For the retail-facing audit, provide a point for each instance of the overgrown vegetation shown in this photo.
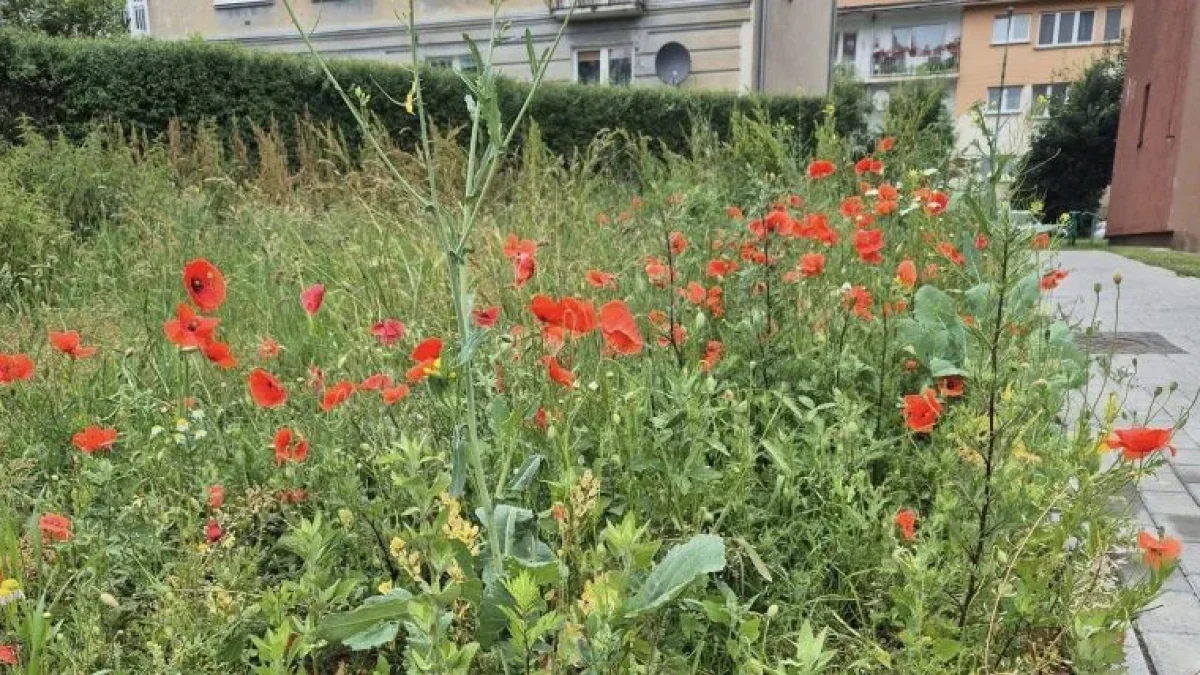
(1070, 160)
(730, 409)
(65, 18)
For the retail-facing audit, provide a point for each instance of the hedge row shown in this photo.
(69, 85)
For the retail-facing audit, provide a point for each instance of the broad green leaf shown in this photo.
(458, 468)
(940, 367)
(526, 474)
(374, 611)
(379, 635)
(702, 554)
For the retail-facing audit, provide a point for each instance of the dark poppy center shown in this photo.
(197, 284)
(193, 326)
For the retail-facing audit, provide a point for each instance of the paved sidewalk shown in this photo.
(1166, 640)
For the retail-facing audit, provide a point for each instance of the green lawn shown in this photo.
(1180, 262)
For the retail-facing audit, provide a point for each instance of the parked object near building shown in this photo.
(1041, 46)
(1155, 198)
(777, 46)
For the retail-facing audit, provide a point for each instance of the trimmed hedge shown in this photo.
(70, 85)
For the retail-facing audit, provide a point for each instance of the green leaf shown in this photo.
(458, 469)
(703, 554)
(373, 612)
(526, 474)
(379, 635)
(940, 367)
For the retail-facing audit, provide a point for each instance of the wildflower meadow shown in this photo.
(443, 405)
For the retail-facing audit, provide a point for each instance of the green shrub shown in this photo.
(72, 85)
(32, 237)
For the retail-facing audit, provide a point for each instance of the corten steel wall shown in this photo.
(1156, 166)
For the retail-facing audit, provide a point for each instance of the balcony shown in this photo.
(595, 10)
(908, 62)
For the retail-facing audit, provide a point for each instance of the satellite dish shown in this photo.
(673, 63)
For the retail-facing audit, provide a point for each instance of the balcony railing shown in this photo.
(597, 9)
(910, 62)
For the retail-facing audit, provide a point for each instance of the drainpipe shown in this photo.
(761, 47)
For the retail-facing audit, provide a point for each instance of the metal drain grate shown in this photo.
(1128, 343)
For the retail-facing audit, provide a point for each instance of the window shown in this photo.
(1046, 96)
(137, 18)
(1004, 101)
(608, 65)
(459, 64)
(1112, 24)
(920, 39)
(446, 62)
(1066, 28)
(1005, 31)
(849, 46)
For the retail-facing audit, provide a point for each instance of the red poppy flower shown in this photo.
(15, 367)
(852, 206)
(69, 343)
(677, 336)
(619, 329)
(189, 330)
(720, 268)
(906, 274)
(1041, 241)
(678, 243)
(821, 168)
(522, 253)
(885, 144)
(981, 242)
(558, 373)
(922, 410)
(812, 264)
(869, 244)
(8, 655)
(888, 192)
(934, 202)
(336, 395)
(268, 349)
(656, 271)
(376, 382)
(205, 284)
(289, 447)
(598, 279)
(858, 299)
(657, 318)
(862, 166)
(1140, 442)
(952, 386)
(713, 351)
(265, 389)
(693, 293)
(734, 212)
(951, 252)
(778, 220)
(713, 302)
(213, 531)
(578, 317)
(885, 207)
(540, 419)
(219, 354)
(388, 331)
(1158, 551)
(906, 520)
(485, 317)
(1051, 280)
(216, 497)
(95, 438)
(602, 219)
(393, 394)
(312, 297)
(795, 201)
(293, 496)
(428, 358)
(55, 527)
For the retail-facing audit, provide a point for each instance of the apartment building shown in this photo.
(748, 45)
(1155, 200)
(889, 42)
(966, 44)
(1037, 47)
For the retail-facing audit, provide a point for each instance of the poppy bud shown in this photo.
(772, 611)
(216, 497)
(213, 531)
(109, 600)
(1118, 277)
(1096, 288)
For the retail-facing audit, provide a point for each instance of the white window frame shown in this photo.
(1001, 110)
(605, 57)
(1044, 111)
(1120, 21)
(1009, 39)
(1075, 41)
(131, 9)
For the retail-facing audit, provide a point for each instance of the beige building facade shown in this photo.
(778, 46)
